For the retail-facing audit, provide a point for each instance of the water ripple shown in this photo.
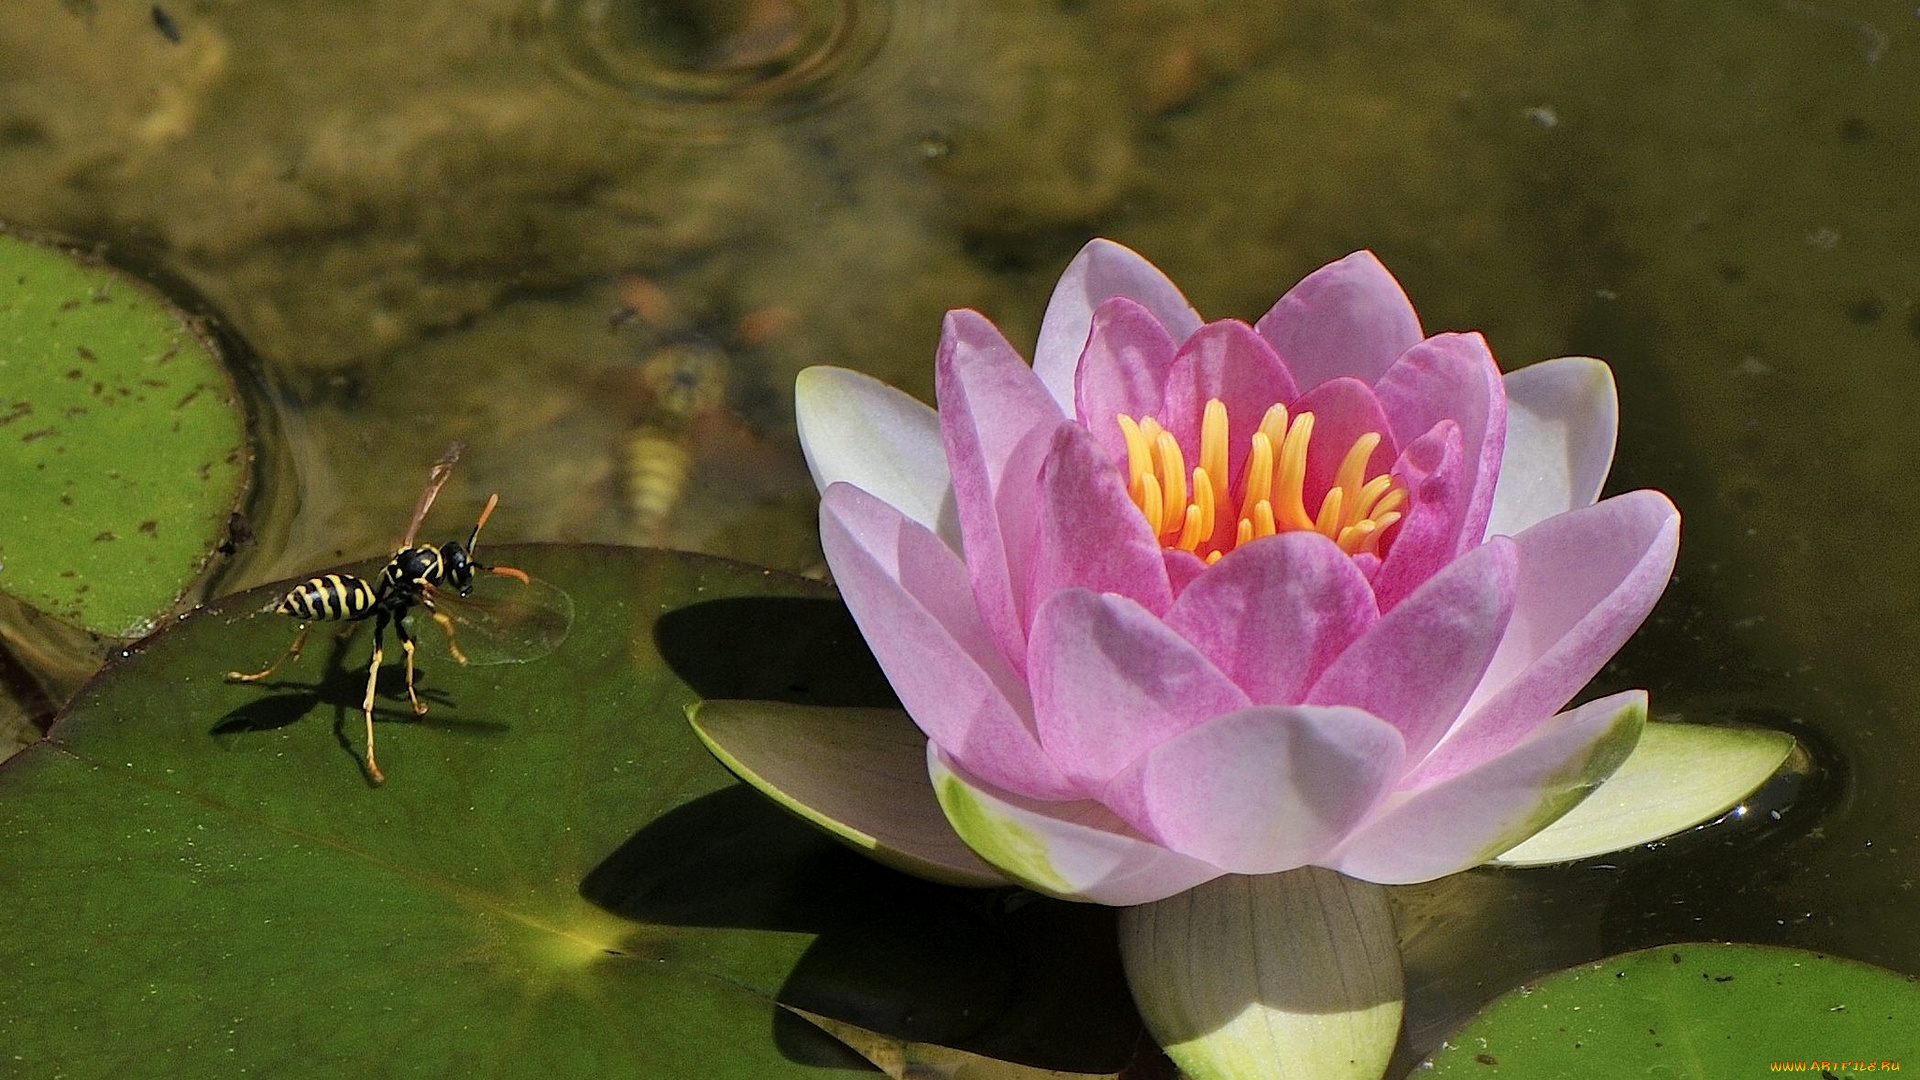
(695, 67)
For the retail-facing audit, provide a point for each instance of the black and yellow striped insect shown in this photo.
(415, 576)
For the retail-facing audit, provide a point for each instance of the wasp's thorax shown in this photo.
(415, 569)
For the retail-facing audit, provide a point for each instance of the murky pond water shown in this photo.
(597, 238)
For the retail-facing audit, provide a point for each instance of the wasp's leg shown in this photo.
(446, 625)
(406, 642)
(292, 653)
(373, 679)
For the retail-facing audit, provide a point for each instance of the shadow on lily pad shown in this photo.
(1002, 973)
(341, 686)
(773, 648)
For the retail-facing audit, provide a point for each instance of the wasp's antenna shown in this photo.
(493, 500)
(435, 479)
(472, 540)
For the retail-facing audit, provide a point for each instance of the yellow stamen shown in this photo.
(1352, 471)
(1355, 511)
(1289, 509)
(1173, 478)
(1370, 544)
(1213, 448)
(1190, 532)
(1274, 424)
(1150, 504)
(1257, 482)
(1351, 466)
(1370, 493)
(1328, 523)
(1139, 457)
(1203, 504)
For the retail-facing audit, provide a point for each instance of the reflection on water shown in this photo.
(492, 219)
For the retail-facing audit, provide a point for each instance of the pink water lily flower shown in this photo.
(1187, 598)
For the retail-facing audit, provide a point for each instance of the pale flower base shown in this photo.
(1277, 977)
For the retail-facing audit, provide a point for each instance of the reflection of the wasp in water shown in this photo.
(678, 396)
(686, 383)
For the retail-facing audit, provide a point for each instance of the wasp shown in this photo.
(415, 576)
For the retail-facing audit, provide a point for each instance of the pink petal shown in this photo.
(1587, 580)
(1453, 377)
(911, 597)
(1260, 790)
(1343, 410)
(1476, 815)
(1437, 486)
(1273, 614)
(1069, 850)
(1182, 568)
(996, 422)
(1089, 532)
(1103, 269)
(1111, 681)
(1123, 371)
(1347, 318)
(1224, 360)
(857, 429)
(1561, 419)
(1417, 666)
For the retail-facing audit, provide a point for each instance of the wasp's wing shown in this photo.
(436, 478)
(505, 620)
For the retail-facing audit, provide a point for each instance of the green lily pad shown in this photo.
(1704, 1011)
(903, 1060)
(196, 877)
(123, 445)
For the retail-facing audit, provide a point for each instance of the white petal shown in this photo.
(1102, 270)
(857, 429)
(1678, 776)
(859, 774)
(1562, 416)
(1069, 850)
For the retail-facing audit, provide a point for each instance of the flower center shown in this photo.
(1271, 495)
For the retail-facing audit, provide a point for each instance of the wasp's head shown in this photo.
(456, 567)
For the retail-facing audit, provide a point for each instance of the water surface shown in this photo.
(597, 238)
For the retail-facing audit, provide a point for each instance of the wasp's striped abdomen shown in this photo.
(329, 596)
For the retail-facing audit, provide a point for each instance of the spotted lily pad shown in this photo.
(123, 446)
(1695, 1012)
(556, 879)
